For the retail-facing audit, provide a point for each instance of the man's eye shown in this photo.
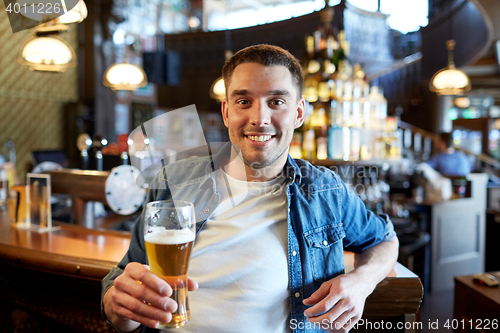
(242, 102)
(277, 102)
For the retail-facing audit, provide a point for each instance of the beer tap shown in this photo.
(97, 145)
(84, 142)
(123, 148)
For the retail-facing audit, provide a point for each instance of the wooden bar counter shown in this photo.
(53, 279)
(50, 282)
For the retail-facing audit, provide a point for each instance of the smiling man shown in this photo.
(268, 256)
(262, 109)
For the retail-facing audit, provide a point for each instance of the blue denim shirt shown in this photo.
(324, 219)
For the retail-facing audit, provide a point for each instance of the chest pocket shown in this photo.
(326, 251)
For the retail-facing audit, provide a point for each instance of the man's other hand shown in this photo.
(338, 304)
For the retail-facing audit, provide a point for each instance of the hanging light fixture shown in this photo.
(49, 54)
(50, 28)
(450, 80)
(45, 51)
(53, 10)
(218, 88)
(76, 15)
(124, 76)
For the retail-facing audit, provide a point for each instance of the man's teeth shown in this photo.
(260, 138)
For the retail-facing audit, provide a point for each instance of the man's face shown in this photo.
(261, 112)
(441, 145)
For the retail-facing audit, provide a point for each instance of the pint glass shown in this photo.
(169, 233)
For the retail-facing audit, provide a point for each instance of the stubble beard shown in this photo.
(261, 164)
(256, 165)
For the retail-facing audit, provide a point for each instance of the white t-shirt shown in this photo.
(240, 261)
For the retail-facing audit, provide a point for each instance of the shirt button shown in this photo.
(297, 295)
(206, 210)
(325, 243)
(294, 253)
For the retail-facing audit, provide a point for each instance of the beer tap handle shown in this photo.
(98, 143)
(85, 159)
(84, 142)
(98, 157)
(124, 156)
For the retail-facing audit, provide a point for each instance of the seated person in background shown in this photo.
(448, 161)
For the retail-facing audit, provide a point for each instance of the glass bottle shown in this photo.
(335, 148)
(355, 132)
(308, 137)
(322, 146)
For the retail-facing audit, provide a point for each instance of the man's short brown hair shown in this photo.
(266, 55)
(447, 139)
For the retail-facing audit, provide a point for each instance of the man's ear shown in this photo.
(224, 111)
(301, 113)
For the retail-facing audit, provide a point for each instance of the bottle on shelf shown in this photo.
(322, 146)
(356, 125)
(335, 148)
(317, 123)
(309, 145)
(346, 142)
(311, 67)
(355, 131)
(308, 137)
(394, 138)
(296, 144)
(366, 150)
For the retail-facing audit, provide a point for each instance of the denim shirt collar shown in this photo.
(291, 169)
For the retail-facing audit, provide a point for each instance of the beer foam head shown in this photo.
(160, 235)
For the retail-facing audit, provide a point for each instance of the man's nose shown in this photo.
(260, 114)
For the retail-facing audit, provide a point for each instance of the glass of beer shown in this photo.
(169, 233)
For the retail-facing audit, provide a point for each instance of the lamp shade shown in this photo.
(123, 76)
(450, 80)
(218, 89)
(76, 15)
(50, 54)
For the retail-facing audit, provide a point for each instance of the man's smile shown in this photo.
(259, 138)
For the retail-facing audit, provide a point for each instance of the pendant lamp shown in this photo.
(49, 54)
(76, 15)
(124, 76)
(68, 11)
(450, 80)
(218, 88)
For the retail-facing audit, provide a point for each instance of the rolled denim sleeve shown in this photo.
(362, 227)
(390, 233)
(136, 252)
